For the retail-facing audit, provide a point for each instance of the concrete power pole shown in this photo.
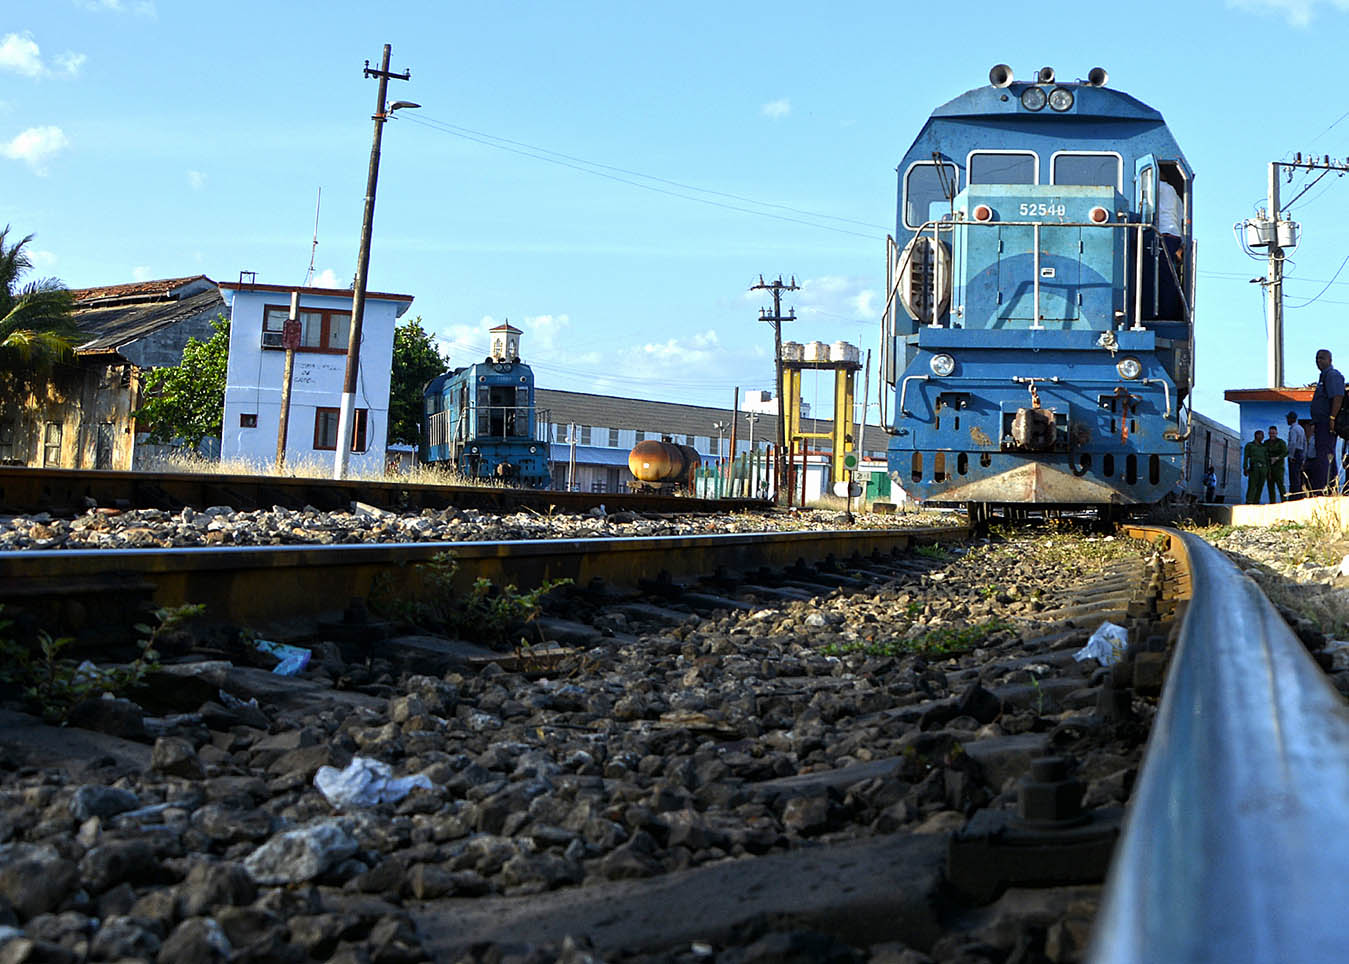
(1271, 231)
(1274, 285)
(346, 417)
(776, 319)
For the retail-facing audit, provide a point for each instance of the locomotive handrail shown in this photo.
(904, 391)
(1166, 392)
(1237, 836)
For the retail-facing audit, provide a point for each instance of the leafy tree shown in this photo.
(187, 401)
(36, 327)
(416, 360)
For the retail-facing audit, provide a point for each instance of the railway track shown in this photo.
(71, 491)
(823, 723)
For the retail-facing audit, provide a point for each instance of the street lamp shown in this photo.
(751, 417)
(720, 427)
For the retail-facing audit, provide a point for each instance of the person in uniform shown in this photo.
(1297, 454)
(1170, 228)
(1277, 449)
(1210, 484)
(1255, 466)
(1326, 402)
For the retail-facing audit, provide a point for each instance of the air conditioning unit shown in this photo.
(272, 339)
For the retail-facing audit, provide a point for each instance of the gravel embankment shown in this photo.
(678, 743)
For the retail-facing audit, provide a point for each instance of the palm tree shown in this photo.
(36, 327)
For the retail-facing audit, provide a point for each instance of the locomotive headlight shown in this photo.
(1060, 98)
(942, 365)
(533, 449)
(1129, 367)
(1032, 98)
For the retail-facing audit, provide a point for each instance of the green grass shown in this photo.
(942, 641)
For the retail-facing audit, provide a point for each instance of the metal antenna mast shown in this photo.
(313, 250)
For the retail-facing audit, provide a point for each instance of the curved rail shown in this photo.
(1237, 839)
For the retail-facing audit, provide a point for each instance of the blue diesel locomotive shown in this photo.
(481, 421)
(1038, 337)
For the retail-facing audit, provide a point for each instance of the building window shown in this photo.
(585, 435)
(613, 438)
(248, 421)
(51, 444)
(320, 330)
(325, 429)
(641, 436)
(7, 433)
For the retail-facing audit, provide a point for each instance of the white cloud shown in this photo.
(197, 179)
(698, 349)
(543, 340)
(837, 298)
(69, 63)
(327, 278)
(140, 273)
(35, 145)
(776, 108)
(42, 259)
(1298, 13)
(21, 55)
(141, 8)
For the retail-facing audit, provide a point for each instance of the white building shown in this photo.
(257, 369)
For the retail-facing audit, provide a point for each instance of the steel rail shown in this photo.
(30, 490)
(1236, 846)
(258, 584)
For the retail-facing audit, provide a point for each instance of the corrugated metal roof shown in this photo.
(670, 418)
(112, 326)
(159, 288)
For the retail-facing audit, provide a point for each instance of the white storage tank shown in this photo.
(791, 351)
(841, 351)
(816, 351)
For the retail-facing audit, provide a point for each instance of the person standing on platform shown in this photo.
(1255, 466)
(1297, 454)
(1210, 484)
(1277, 449)
(1326, 402)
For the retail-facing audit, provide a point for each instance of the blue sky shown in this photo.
(689, 147)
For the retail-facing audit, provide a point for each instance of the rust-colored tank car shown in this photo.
(662, 465)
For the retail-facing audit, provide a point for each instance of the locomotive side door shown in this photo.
(1140, 243)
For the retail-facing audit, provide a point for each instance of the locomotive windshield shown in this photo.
(1002, 167)
(1088, 170)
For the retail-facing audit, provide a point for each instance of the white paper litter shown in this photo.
(1106, 645)
(365, 782)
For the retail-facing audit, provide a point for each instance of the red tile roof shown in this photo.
(1269, 394)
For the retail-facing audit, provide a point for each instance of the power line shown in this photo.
(1327, 287)
(558, 160)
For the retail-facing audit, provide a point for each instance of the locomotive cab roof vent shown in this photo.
(1045, 75)
(1000, 75)
(1097, 77)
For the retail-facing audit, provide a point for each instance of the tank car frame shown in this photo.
(1028, 344)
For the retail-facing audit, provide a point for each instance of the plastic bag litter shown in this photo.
(1106, 645)
(293, 658)
(364, 783)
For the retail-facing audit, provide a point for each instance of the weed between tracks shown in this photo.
(942, 641)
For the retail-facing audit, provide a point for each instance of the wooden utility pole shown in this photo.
(290, 338)
(345, 420)
(776, 319)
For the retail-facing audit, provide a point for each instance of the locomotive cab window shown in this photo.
(926, 197)
(1088, 169)
(1003, 167)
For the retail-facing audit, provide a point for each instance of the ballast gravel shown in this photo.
(678, 741)
(102, 528)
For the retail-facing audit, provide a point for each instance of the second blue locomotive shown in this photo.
(481, 419)
(1038, 333)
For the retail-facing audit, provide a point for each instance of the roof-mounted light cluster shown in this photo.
(1034, 96)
